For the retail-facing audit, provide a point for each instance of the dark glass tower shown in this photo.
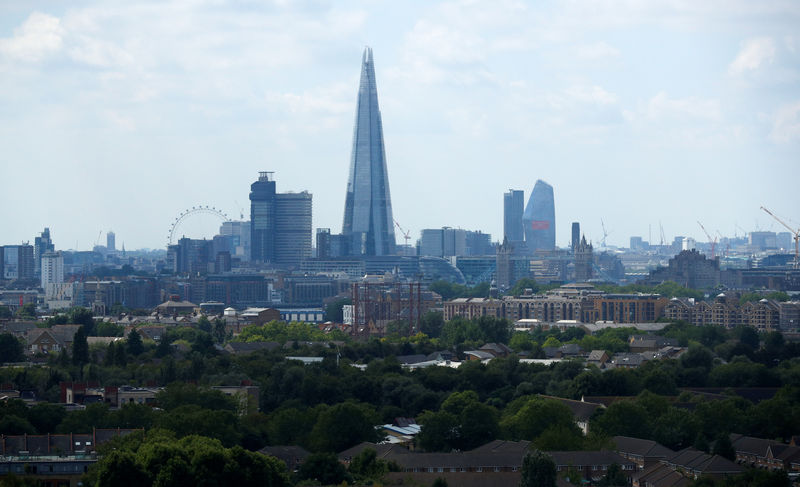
(513, 204)
(368, 223)
(262, 218)
(540, 218)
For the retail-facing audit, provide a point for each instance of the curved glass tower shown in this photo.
(368, 222)
(539, 218)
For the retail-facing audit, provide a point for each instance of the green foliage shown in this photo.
(614, 477)
(108, 329)
(462, 423)
(521, 285)
(80, 347)
(432, 323)
(325, 468)
(342, 426)
(5, 313)
(333, 311)
(366, 467)
(11, 349)
(178, 394)
(161, 460)
(538, 470)
(276, 331)
(27, 311)
(134, 343)
(448, 290)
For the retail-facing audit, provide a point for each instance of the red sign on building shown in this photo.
(540, 225)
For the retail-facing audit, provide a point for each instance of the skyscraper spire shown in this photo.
(368, 221)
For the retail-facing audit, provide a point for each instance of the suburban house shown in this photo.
(682, 467)
(593, 465)
(644, 453)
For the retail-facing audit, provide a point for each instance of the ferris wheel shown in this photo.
(193, 211)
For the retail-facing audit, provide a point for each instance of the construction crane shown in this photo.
(605, 233)
(406, 235)
(712, 241)
(795, 234)
(727, 243)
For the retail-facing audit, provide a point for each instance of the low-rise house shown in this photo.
(293, 456)
(681, 468)
(478, 355)
(570, 350)
(53, 459)
(581, 411)
(242, 348)
(593, 465)
(598, 358)
(650, 343)
(51, 340)
(497, 349)
(644, 453)
(763, 453)
(627, 361)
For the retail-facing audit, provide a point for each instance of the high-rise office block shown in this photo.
(18, 262)
(576, 235)
(368, 221)
(292, 228)
(111, 241)
(41, 245)
(280, 223)
(513, 207)
(262, 218)
(539, 218)
(240, 238)
(52, 269)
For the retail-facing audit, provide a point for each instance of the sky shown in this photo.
(120, 115)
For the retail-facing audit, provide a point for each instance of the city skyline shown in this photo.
(639, 115)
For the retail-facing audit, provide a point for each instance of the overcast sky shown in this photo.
(121, 114)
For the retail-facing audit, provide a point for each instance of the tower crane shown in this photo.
(713, 242)
(795, 234)
(406, 235)
(605, 233)
(727, 243)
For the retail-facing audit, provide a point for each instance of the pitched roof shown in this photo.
(602, 457)
(644, 448)
(249, 347)
(660, 475)
(596, 355)
(751, 445)
(580, 409)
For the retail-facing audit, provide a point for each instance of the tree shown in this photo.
(219, 332)
(614, 477)
(135, 346)
(366, 466)
(724, 448)
(342, 426)
(538, 470)
(204, 324)
(119, 469)
(333, 311)
(521, 285)
(325, 468)
(11, 349)
(431, 324)
(27, 311)
(80, 347)
(5, 313)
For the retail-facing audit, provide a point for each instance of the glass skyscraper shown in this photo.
(540, 218)
(513, 204)
(368, 223)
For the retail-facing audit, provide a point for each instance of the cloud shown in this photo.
(786, 124)
(753, 54)
(662, 107)
(599, 51)
(39, 36)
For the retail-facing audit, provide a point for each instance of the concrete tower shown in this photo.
(540, 218)
(368, 222)
(513, 204)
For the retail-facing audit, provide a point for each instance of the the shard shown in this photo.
(539, 218)
(368, 224)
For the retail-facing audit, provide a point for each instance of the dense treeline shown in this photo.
(332, 405)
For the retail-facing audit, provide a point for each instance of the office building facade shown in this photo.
(539, 218)
(513, 208)
(280, 224)
(41, 245)
(18, 262)
(368, 222)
